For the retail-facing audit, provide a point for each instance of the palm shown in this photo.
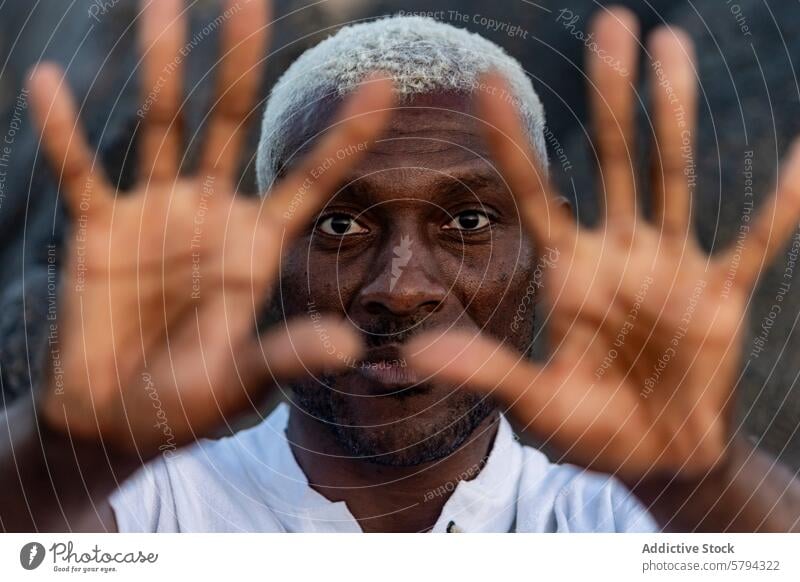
(160, 272)
(644, 327)
(162, 285)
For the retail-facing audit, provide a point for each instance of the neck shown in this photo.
(385, 498)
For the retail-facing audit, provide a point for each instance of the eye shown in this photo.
(469, 220)
(340, 225)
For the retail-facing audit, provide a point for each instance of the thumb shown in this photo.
(477, 361)
(537, 396)
(299, 348)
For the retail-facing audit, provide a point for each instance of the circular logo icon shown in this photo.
(31, 555)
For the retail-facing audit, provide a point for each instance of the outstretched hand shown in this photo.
(162, 286)
(645, 328)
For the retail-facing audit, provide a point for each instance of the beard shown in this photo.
(423, 423)
(403, 442)
(406, 439)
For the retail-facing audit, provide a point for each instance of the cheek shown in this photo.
(294, 298)
(318, 281)
(493, 284)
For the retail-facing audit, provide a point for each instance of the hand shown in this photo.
(645, 328)
(162, 285)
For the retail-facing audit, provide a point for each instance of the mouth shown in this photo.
(386, 367)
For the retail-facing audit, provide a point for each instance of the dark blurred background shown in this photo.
(749, 102)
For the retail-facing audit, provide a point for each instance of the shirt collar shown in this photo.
(486, 503)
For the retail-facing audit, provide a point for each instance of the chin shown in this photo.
(400, 428)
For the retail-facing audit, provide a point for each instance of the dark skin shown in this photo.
(675, 448)
(428, 179)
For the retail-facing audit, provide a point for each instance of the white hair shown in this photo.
(422, 56)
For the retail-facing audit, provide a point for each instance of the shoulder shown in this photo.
(144, 502)
(565, 498)
(205, 487)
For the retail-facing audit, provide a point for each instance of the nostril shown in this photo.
(414, 290)
(402, 304)
(375, 308)
(430, 306)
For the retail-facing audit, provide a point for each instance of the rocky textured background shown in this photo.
(748, 52)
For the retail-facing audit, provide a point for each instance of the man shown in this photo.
(404, 265)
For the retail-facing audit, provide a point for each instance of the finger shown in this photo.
(295, 200)
(470, 358)
(54, 112)
(485, 366)
(244, 40)
(612, 70)
(295, 350)
(544, 213)
(300, 348)
(773, 224)
(162, 37)
(674, 91)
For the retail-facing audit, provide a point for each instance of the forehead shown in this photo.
(429, 139)
(431, 131)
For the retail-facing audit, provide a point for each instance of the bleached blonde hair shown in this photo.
(422, 56)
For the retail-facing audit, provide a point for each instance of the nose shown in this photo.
(406, 281)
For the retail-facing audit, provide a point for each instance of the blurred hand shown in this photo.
(645, 328)
(162, 286)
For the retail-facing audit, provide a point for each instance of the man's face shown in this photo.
(424, 235)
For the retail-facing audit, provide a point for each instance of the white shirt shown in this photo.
(251, 482)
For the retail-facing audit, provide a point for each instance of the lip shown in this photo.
(387, 367)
